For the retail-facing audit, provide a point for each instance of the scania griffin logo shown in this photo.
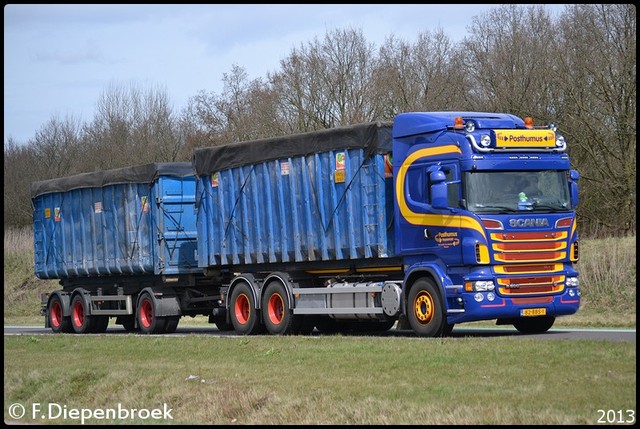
(523, 223)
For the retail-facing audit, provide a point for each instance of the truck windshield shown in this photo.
(511, 191)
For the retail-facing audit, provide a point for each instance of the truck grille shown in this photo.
(529, 260)
(520, 247)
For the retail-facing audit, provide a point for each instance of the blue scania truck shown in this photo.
(432, 220)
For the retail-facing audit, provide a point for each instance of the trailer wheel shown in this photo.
(425, 311)
(148, 322)
(99, 324)
(80, 320)
(244, 314)
(171, 324)
(534, 325)
(57, 321)
(278, 319)
(127, 322)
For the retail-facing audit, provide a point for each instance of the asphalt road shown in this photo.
(458, 332)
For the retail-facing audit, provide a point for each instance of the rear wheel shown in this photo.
(127, 322)
(534, 325)
(57, 321)
(277, 316)
(425, 310)
(244, 313)
(146, 313)
(80, 320)
(223, 325)
(99, 324)
(171, 324)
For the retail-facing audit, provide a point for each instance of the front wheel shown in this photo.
(534, 325)
(425, 310)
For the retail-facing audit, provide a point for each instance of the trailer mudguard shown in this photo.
(65, 299)
(285, 279)
(165, 303)
(251, 280)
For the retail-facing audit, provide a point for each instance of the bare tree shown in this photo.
(418, 76)
(509, 61)
(598, 75)
(20, 161)
(56, 145)
(328, 82)
(133, 126)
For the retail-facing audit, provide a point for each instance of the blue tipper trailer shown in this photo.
(127, 221)
(118, 240)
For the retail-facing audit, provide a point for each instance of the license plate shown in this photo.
(528, 312)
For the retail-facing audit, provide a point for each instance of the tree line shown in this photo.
(577, 69)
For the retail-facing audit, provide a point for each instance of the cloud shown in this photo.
(89, 53)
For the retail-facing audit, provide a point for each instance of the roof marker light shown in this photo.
(528, 122)
(458, 124)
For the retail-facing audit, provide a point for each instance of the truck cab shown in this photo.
(484, 220)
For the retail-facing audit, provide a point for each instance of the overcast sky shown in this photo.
(59, 59)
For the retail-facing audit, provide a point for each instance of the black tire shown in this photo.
(99, 324)
(146, 310)
(243, 310)
(80, 321)
(277, 316)
(425, 310)
(127, 322)
(448, 328)
(57, 321)
(171, 324)
(534, 325)
(224, 326)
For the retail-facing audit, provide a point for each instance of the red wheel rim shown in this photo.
(242, 309)
(146, 313)
(78, 314)
(56, 314)
(275, 308)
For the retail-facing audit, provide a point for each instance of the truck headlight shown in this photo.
(483, 285)
(572, 282)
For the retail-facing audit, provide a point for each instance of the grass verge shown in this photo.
(320, 380)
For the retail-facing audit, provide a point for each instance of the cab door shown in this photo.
(422, 228)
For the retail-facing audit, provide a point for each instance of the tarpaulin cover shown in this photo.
(139, 174)
(373, 137)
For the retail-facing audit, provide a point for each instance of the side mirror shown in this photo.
(574, 176)
(439, 199)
